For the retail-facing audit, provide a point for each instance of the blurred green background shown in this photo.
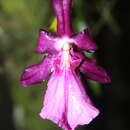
(20, 20)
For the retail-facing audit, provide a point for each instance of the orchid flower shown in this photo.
(66, 103)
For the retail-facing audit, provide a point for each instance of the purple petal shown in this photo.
(92, 71)
(37, 73)
(46, 43)
(62, 9)
(84, 41)
(66, 101)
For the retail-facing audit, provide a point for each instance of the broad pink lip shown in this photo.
(66, 101)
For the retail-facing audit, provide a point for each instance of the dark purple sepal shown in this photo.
(46, 43)
(62, 9)
(67, 4)
(84, 41)
(94, 72)
(37, 73)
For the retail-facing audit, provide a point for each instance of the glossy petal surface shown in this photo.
(84, 41)
(46, 43)
(37, 73)
(62, 9)
(92, 71)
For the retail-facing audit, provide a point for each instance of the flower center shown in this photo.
(66, 55)
(63, 45)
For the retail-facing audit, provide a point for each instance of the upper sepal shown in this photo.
(37, 73)
(62, 9)
(94, 72)
(83, 41)
(46, 43)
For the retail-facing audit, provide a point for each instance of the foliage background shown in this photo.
(20, 20)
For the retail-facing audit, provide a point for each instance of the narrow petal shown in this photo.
(84, 41)
(46, 43)
(62, 9)
(79, 104)
(92, 71)
(37, 73)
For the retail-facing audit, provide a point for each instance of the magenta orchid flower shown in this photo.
(66, 103)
